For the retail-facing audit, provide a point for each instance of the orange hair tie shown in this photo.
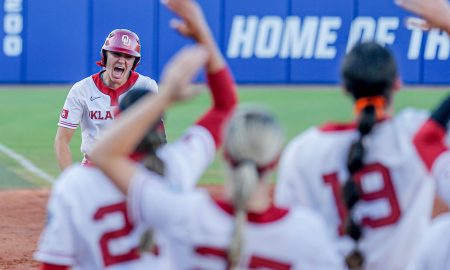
(379, 102)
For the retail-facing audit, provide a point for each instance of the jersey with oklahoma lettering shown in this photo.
(91, 104)
(88, 225)
(199, 230)
(396, 190)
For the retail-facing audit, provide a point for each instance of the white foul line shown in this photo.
(28, 165)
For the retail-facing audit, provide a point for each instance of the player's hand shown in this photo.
(192, 23)
(180, 71)
(435, 12)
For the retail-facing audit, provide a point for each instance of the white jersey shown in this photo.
(88, 226)
(91, 104)
(434, 252)
(199, 230)
(397, 192)
(441, 172)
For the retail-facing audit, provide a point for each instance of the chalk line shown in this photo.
(27, 164)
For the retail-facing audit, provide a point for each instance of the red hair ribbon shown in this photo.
(261, 169)
(378, 102)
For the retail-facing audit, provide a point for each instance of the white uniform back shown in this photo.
(199, 231)
(87, 213)
(396, 204)
(434, 252)
(91, 104)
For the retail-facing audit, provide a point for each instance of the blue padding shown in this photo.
(56, 41)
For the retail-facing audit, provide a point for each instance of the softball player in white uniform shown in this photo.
(79, 202)
(91, 102)
(365, 178)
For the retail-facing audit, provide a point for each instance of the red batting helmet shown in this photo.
(121, 41)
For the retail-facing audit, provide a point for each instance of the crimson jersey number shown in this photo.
(255, 262)
(386, 192)
(108, 258)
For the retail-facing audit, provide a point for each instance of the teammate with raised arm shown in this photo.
(431, 144)
(91, 102)
(243, 231)
(364, 177)
(88, 225)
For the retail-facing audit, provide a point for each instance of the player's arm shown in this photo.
(432, 149)
(435, 12)
(220, 80)
(430, 139)
(62, 146)
(112, 157)
(69, 120)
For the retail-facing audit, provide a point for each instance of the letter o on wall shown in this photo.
(12, 45)
(269, 37)
(13, 24)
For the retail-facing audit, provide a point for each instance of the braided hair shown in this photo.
(369, 72)
(253, 142)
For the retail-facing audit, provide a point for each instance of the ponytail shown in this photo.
(351, 192)
(245, 177)
(252, 145)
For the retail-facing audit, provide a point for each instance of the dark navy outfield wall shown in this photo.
(264, 41)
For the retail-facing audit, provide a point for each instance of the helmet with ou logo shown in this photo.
(121, 41)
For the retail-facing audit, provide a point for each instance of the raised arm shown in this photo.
(430, 139)
(221, 83)
(430, 144)
(435, 12)
(111, 153)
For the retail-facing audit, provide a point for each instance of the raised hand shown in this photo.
(435, 12)
(180, 71)
(192, 23)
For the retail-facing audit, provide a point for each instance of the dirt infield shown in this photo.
(22, 217)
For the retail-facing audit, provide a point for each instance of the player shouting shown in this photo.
(242, 231)
(91, 102)
(88, 226)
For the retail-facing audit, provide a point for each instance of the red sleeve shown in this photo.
(224, 95)
(47, 266)
(429, 142)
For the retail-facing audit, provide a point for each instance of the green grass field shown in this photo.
(28, 118)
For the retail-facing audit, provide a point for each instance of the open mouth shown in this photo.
(118, 72)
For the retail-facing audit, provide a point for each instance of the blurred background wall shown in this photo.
(265, 41)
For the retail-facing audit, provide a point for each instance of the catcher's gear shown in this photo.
(121, 41)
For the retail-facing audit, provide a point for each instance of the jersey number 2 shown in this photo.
(108, 258)
(385, 191)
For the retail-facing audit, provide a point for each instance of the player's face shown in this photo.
(118, 67)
